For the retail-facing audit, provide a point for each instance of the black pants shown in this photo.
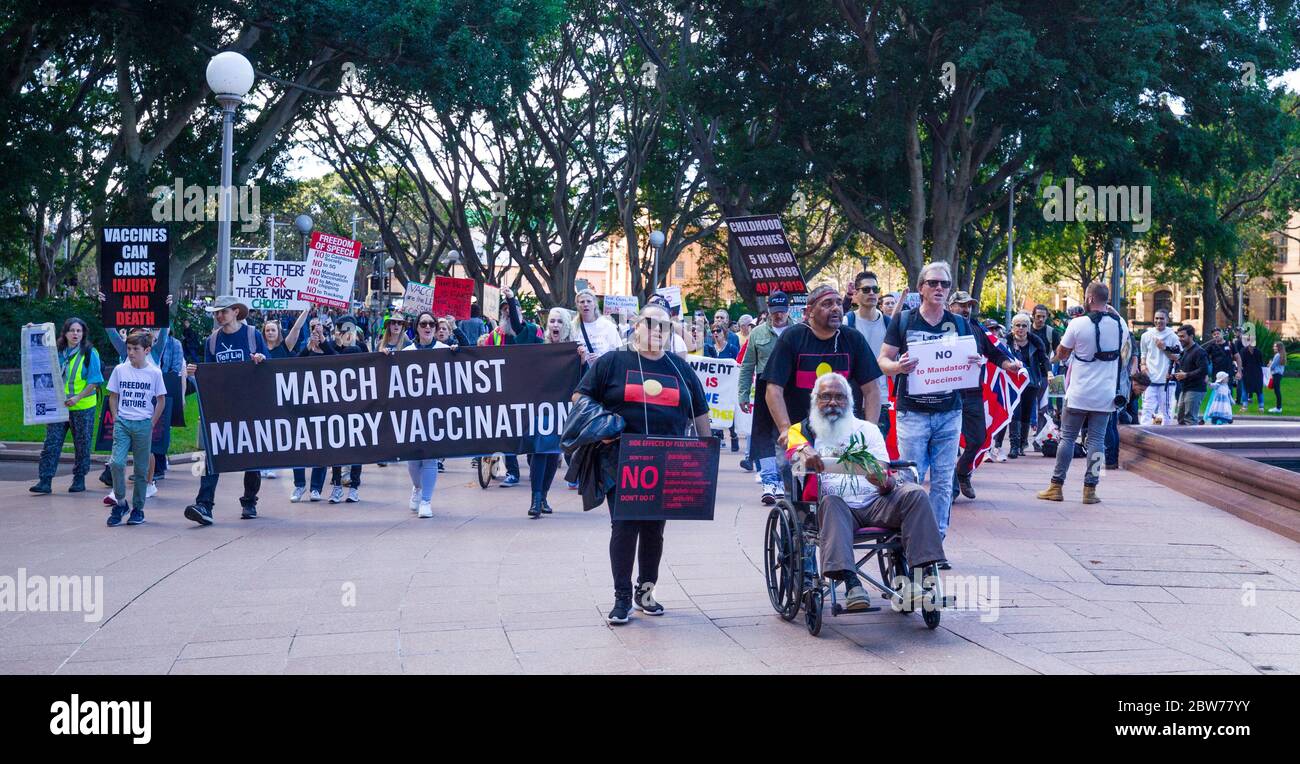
(512, 465)
(354, 474)
(208, 489)
(1277, 391)
(624, 549)
(541, 471)
(974, 431)
(1024, 415)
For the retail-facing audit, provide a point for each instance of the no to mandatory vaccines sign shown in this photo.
(331, 269)
(666, 478)
(942, 365)
(133, 275)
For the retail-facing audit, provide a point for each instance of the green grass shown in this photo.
(13, 429)
(1290, 399)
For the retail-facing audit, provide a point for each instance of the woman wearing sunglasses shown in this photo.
(1030, 350)
(424, 472)
(394, 335)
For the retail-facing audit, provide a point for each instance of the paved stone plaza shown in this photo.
(1146, 582)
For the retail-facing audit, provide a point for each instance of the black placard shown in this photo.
(767, 254)
(133, 275)
(377, 407)
(104, 433)
(666, 478)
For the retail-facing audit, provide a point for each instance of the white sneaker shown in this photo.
(415, 499)
(151, 490)
(426, 509)
(770, 494)
(269, 475)
(298, 493)
(354, 495)
(315, 495)
(336, 495)
(1275, 411)
(997, 454)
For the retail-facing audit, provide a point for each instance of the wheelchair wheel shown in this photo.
(782, 562)
(930, 612)
(485, 465)
(813, 608)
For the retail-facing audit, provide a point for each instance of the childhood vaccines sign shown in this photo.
(376, 407)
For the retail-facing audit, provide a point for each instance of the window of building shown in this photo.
(1192, 307)
(1279, 247)
(1163, 300)
(1277, 308)
(679, 269)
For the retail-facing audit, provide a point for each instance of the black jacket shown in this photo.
(1034, 356)
(1196, 364)
(593, 465)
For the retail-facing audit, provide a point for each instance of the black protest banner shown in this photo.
(104, 435)
(666, 478)
(376, 407)
(767, 254)
(134, 266)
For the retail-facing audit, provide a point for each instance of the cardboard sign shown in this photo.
(43, 391)
(491, 302)
(666, 478)
(719, 377)
(766, 254)
(451, 297)
(617, 304)
(942, 366)
(134, 267)
(417, 299)
(270, 285)
(674, 296)
(331, 270)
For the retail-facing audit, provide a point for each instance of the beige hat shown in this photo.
(960, 297)
(226, 301)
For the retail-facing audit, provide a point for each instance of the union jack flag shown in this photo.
(1001, 394)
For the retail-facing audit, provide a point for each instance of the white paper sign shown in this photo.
(331, 269)
(417, 299)
(942, 366)
(674, 296)
(718, 376)
(617, 304)
(270, 285)
(42, 377)
(491, 301)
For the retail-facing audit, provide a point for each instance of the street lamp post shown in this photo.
(1116, 271)
(1011, 250)
(1241, 283)
(657, 244)
(230, 77)
(304, 224)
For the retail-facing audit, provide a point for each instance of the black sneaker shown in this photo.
(945, 565)
(746, 465)
(106, 478)
(622, 610)
(645, 601)
(199, 514)
(249, 512)
(115, 515)
(963, 482)
(42, 486)
(136, 518)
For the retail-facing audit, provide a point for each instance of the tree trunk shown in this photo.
(1209, 296)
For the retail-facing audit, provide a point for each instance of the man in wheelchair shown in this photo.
(848, 502)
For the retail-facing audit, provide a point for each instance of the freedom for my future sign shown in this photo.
(377, 407)
(134, 267)
(767, 254)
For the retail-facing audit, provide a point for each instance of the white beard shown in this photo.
(833, 436)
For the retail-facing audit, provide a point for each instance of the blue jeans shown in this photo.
(317, 478)
(133, 436)
(930, 440)
(424, 475)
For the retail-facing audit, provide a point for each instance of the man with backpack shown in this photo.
(929, 424)
(1095, 386)
(233, 341)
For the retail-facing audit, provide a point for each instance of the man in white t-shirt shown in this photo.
(872, 323)
(1095, 343)
(1159, 350)
(136, 394)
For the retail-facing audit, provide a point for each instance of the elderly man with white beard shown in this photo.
(848, 502)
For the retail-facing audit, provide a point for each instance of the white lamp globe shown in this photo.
(229, 73)
(656, 239)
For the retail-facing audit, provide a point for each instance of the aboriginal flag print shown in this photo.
(810, 366)
(653, 389)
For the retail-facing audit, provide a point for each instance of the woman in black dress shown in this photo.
(1252, 373)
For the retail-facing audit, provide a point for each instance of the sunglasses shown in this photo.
(871, 289)
(828, 397)
(937, 283)
(427, 323)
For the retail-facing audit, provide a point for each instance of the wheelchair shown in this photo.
(791, 544)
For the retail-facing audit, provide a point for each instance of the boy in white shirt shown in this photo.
(136, 395)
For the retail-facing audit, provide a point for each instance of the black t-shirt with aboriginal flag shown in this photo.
(653, 397)
(800, 357)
